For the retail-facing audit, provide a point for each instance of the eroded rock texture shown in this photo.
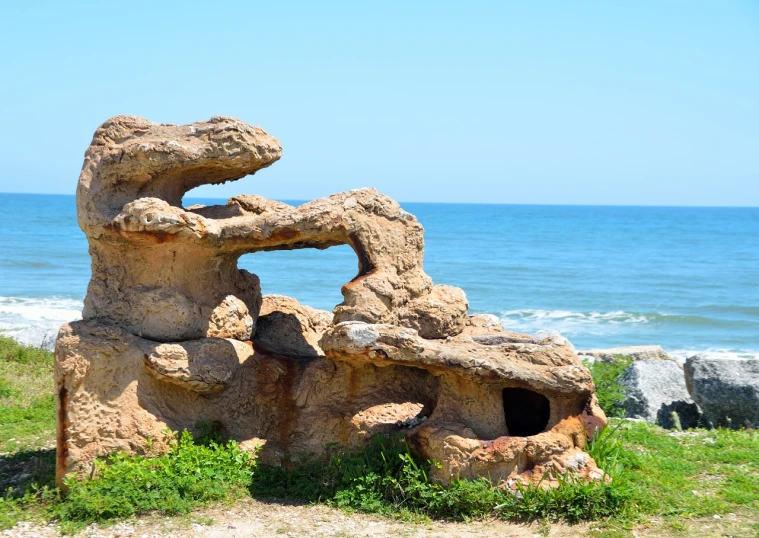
(174, 333)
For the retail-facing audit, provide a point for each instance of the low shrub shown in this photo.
(27, 406)
(12, 351)
(609, 393)
(386, 478)
(188, 475)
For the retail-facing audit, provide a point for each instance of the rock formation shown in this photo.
(634, 353)
(727, 390)
(174, 333)
(654, 389)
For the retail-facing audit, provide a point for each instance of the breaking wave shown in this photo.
(35, 321)
(713, 353)
(570, 323)
(620, 328)
(554, 319)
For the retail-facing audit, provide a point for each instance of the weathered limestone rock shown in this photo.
(593, 417)
(203, 366)
(507, 405)
(285, 327)
(174, 333)
(654, 389)
(129, 201)
(636, 353)
(485, 321)
(231, 319)
(441, 312)
(727, 390)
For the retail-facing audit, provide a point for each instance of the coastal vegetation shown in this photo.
(27, 406)
(609, 393)
(662, 482)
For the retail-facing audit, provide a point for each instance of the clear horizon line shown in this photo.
(544, 204)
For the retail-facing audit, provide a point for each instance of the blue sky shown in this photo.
(652, 103)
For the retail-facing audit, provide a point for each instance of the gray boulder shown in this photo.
(636, 353)
(726, 389)
(654, 389)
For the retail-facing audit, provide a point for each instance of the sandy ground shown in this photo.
(250, 518)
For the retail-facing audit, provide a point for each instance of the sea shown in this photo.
(685, 278)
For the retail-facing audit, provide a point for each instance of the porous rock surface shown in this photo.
(635, 353)
(174, 333)
(653, 390)
(727, 390)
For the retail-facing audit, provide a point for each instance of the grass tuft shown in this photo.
(609, 393)
(190, 474)
(27, 407)
(12, 351)
(386, 478)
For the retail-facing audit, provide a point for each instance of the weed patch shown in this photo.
(27, 406)
(385, 478)
(188, 475)
(12, 351)
(609, 393)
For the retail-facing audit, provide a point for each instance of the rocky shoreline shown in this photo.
(703, 391)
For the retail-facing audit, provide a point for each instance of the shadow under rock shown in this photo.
(19, 470)
(688, 413)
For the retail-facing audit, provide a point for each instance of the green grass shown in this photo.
(695, 473)
(192, 474)
(609, 393)
(189, 475)
(665, 482)
(386, 478)
(27, 406)
(12, 351)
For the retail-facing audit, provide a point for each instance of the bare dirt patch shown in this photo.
(247, 518)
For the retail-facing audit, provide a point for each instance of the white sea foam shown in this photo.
(713, 353)
(617, 316)
(36, 321)
(568, 323)
(603, 325)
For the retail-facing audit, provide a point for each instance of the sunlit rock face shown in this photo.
(175, 334)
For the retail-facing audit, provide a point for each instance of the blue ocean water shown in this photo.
(684, 278)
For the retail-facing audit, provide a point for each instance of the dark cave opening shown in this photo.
(527, 412)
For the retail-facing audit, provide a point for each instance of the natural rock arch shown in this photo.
(174, 332)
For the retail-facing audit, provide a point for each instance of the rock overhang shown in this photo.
(517, 359)
(171, 333)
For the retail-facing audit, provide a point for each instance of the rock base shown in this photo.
(118, 392)
(727, 390)
(654, 389)
(175, 333)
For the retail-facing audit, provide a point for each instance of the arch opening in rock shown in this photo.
(527, 412)
(170, 297)
(391, 417)
(292, 273)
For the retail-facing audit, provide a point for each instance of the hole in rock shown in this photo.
(199, 196)
(210, 194)
(312, 276)
(212, 208)
(526, 411)
(386, 417)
